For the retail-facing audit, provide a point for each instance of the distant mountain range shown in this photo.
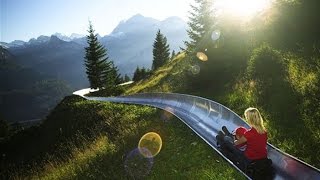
(35, 75)
(129, 45)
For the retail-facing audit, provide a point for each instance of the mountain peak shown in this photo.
(138, 16)
(43, 38)
(137, 22)
(62, 36)
(54, 40)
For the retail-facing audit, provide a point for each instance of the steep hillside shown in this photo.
(84, 139)
(259, 65)
(280, 84)
(24, 93)
(172, 77)
(93, 140)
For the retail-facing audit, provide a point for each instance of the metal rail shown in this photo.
(205, 118)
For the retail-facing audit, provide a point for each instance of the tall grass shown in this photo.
(286, 96)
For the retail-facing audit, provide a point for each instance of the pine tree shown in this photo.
(161, 51)
(116, 75)
(126, 78)
(136, 74)
(97, 65)
(141, 73)
(201, 23)
(173, 54)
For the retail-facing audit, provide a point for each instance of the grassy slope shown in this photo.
(101, 150)
(282, 119)
(170, 78)
(183, 156)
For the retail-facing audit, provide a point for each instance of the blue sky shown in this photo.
(25, 19)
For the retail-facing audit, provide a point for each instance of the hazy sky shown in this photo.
(25, 19)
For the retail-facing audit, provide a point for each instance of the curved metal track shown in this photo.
(205, 118)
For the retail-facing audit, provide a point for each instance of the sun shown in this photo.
(242, 8)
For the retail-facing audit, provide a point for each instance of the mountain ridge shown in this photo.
(129, 46)
(137, 18)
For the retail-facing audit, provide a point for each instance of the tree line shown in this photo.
(103, 74)
(271, 63)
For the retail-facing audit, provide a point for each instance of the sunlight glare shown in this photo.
(243, 8)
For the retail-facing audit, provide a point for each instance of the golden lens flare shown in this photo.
(202, 56)
(151, 142)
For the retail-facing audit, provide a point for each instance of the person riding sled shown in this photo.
(255, 152)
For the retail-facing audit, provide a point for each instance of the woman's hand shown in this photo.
(241, 140)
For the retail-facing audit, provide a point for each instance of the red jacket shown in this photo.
(256, 145)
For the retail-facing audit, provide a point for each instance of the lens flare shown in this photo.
(202, 56)
(152, 142)
(166, 114)
(215, 35)
(136, 165)
(195, 69)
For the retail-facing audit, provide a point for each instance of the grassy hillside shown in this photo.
(83, 139)
(169, 78)
(261, 65)
(282, 84)
(92, 140)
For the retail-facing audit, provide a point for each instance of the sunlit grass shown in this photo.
(78, 160)
(118, 130)
(159, 81)
(291, 112)
(183, 156)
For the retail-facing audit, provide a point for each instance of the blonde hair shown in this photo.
(254, 118)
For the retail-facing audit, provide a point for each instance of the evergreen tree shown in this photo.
(97, 65)
(144, 73)
(173, 54)
(161, 51)
(201, 23)
(136, 74)
(126, 78)
(141, 73)
(115, 76)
